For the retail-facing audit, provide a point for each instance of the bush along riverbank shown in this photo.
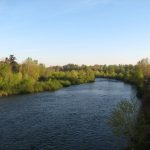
(51, 84)
(136, 129)
(128, 121)
(31, 77)
(144, 128)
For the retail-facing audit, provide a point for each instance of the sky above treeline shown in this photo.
(58, 32)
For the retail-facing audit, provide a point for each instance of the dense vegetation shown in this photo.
(128, 120)
(30, 76)
(135, 74)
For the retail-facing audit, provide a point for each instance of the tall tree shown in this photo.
(12, 61)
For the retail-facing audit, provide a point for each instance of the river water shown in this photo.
(73, 118)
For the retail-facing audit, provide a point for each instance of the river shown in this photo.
(73, 118)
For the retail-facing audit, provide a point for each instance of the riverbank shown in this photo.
(146, 110)
(50, 85)
(140, 90)
(141, 140)
(146, 100)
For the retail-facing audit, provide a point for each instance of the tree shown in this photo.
(123, 118)
(30, 69)
(127, 120)
(12, 61)
(144, 65)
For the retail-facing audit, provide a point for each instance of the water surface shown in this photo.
(73, 118)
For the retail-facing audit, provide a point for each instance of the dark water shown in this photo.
(73, 118)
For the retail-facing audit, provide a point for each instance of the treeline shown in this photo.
(138, 74)
(135, 74)
(31, 76)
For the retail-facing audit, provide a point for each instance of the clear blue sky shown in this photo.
(75, 31)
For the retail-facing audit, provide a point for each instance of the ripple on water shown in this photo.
(73, 118)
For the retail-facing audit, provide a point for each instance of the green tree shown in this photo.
(144, 65)
(30, 69)
(12, 61)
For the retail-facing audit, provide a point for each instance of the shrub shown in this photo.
(54, 85)
(26, 86)
(65, 83)
(39, 87)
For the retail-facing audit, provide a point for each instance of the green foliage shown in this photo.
(65, 83)
(39, 86)
(30, 69)
(124, 117)
(26, 86)
(54, 85)
(127, 120)
(33, 77)
(135, 74)
(144, 65)
(12, 62)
